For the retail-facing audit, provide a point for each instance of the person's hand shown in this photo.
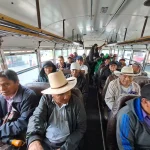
(58, 149)
(35, 145)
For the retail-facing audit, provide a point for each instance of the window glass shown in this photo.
(139, 56)
(87, 52)
(147, 69)
(21, 62)
(46, 55)
(57, 53)
(80, 52)
(69, 51)
(73, 50)
(32, 74)
(120, 54)
(65, 54)
(105, 52)
(148, 61)
(127, 54)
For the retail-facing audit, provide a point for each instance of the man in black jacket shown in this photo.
(17, 100)
(107, 72)
(59, 122)
(82, 84)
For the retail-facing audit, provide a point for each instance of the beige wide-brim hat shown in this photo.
(126, 70)
(59, 84)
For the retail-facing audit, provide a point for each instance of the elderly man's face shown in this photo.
(63, 98)
(75, 73)
(8, 87)
(136, 69)
(125, 80)
(112, 67)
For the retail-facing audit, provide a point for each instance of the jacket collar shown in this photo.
(18, 97)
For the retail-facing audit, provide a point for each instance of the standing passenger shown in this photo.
(17, 104)
(59, 122)
(48, 67)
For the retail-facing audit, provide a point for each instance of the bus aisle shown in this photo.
(93, 137)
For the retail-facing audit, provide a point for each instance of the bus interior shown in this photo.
(35, 31)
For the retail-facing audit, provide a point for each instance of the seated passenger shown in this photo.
(70, 60)
(122, 85)
(83, 68)
(133, 123)
(108, 71)
(48, 67)
(121, 63)
(81, 81)
(59, 122)
(61, 64)
(17, 104)
(137, 69)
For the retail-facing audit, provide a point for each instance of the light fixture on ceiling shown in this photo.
(147, 3)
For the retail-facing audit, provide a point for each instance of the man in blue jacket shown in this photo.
(17, 104)
(133, 123)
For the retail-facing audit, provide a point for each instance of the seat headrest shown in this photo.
(37, 87)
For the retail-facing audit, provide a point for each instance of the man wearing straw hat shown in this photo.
(59, 122)
(122, 85)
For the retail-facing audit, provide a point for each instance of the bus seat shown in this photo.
(37, 87)
(111, 141)
(78, 93)
(141, 80)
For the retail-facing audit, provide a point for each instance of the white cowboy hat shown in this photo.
(59, 84)
(126, 70)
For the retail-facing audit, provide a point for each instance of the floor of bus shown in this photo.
(93, 137)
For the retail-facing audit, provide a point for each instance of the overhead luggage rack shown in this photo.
(143, 40)
(10, 26)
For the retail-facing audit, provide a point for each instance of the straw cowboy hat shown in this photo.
(59, 84)
(126, 70)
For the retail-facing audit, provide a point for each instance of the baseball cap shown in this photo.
(145, 92)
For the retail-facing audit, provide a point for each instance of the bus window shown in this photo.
(46, 55)
(120, 54)
(147, 67)
(105, 52)
(21, 62)
(33, 74)
(127, 56)
(80, 52)
(65, 54)
(139, 56)
(87, 52)
(57, 54)
(69, 51)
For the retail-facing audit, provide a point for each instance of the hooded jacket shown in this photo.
(42, 76)
(132, 131)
